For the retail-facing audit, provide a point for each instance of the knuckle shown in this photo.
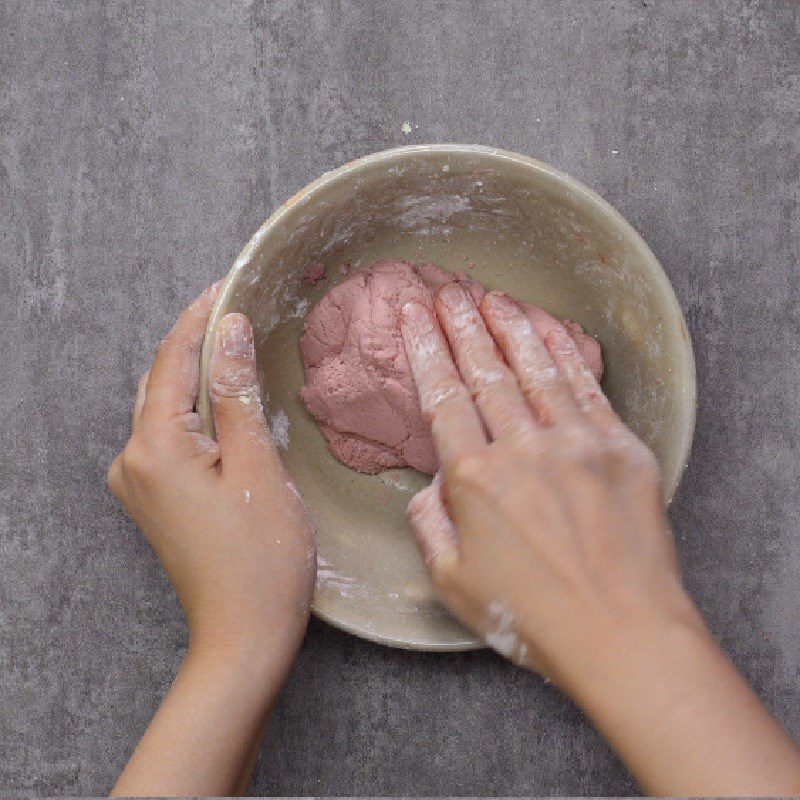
(628, 455)
(447, 397)
(468, 469)
(233, 380)
(540, 379)
(233, 402)
(526, 445)
(581, 451)
(203, 446)
(534, 395)
(590, 397)
(189, 428)
(190, 422)
(495, 395)
(606, 552)
(645, 465)
(138, 462)
(579, 443)
(614, 457)
(547, 401)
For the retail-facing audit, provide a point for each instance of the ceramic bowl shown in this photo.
(514, 224)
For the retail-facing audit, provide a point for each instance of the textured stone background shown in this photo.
(144, 141)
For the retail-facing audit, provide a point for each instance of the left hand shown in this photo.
(224, 518)
(235, 540)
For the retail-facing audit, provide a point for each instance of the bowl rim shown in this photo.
(578, 192)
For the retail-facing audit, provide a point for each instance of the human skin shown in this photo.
(237, 545)
(545, 532)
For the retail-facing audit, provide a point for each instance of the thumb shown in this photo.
(432, 527)
(242, 433)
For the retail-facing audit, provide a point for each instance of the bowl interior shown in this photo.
(511, 223)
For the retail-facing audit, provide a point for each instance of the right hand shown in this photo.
(545, 529)
(545, 532)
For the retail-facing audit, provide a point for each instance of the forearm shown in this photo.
(246, 776)
(203, 739)
(684, 721)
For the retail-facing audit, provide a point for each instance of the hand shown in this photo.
(561, 533)
(223, 517)
(233, 536)
(545, 532)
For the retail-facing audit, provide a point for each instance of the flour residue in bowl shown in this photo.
(279, 428)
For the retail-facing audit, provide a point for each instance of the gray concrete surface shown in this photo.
(143, 142)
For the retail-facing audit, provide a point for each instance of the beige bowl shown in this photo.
(530, 230)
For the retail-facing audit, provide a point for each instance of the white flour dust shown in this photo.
(300, 309)
(329, 578)
(279, 427)
(501, 636)
(397, 483)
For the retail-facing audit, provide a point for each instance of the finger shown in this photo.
(585, 388)
(431, 525)
(543, 387)
(175, 374)
(242, 431)
(195, 442)
(445, 401)
(138, 403)
(491, 383)
(587, 345)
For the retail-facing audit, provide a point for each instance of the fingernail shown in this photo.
(498, 301)
(235, 336)
(210, 292)
(558, 337)
(455, 297)
(497, 296)
(411, 312)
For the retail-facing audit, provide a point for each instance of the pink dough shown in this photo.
(358, 382)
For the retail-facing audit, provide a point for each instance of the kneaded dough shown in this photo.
(359, 385)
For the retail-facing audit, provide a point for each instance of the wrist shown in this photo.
(266, 643)
(655, 660)
(681, 717)
(258, 664)
(616, 652)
